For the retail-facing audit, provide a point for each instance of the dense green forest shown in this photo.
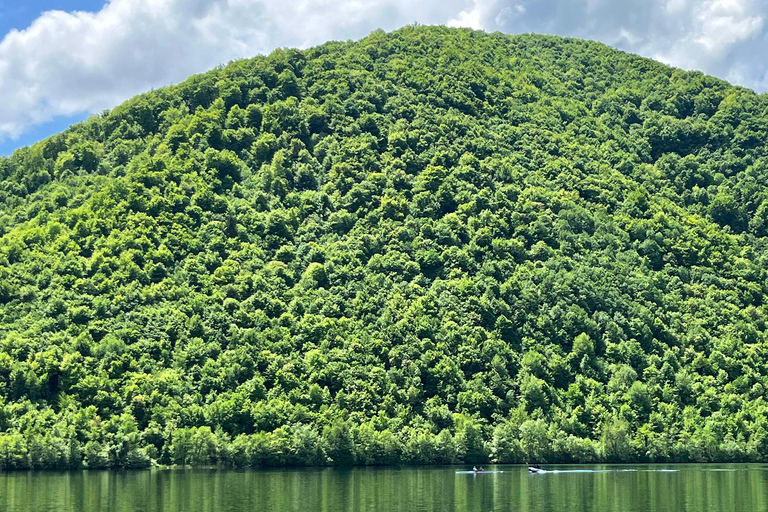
(428, 246)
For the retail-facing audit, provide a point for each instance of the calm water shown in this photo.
(736, 488)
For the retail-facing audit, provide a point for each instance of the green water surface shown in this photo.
(722, 488)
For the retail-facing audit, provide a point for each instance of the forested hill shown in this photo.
(428, 246)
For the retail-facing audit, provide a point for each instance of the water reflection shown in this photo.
(737, 488)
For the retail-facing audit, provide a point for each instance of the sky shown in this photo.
(63, 60)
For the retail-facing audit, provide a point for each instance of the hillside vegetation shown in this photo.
(429, 246)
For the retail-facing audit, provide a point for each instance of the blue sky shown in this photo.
(20, 14)
(62, 60)
(40, 132)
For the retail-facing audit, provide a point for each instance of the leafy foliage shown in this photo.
(433, 245)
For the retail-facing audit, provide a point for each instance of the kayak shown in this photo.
(536, 470)
(476, 472)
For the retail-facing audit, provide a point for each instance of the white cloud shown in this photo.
(509, 13)
(474, 16)
(725, 22)
(71, 62)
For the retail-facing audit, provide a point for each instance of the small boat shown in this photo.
(536, 470)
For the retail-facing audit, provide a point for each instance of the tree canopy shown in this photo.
(427, 246)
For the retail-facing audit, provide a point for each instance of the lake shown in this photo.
(646, 488)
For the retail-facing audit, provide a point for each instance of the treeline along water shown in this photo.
(680, 488)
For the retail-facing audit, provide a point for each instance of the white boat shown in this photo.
(536, 470)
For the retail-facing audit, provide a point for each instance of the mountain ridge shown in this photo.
(429, 246)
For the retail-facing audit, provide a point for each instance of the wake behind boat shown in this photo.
(537, 470)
